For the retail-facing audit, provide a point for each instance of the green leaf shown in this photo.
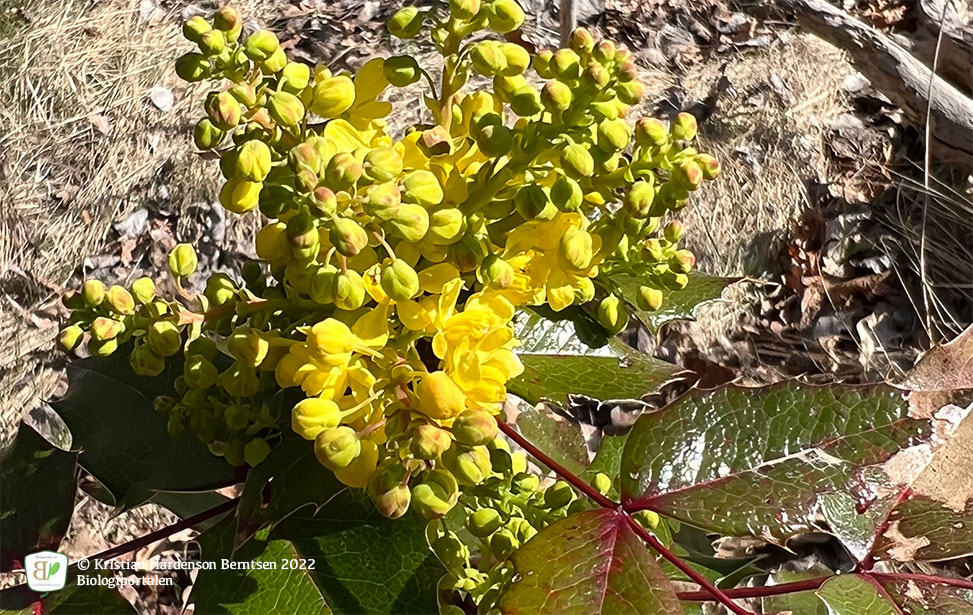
(798, 603)
(677, 304)
(124, 442)
(74, 599)
(288, 479)
(185, 504)
(37, 496)
(591, 562)
(362, 563)
(852, 594)
(572, 330)
(742, 461)
(921, 597)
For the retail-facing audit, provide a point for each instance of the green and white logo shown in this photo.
(46, 570)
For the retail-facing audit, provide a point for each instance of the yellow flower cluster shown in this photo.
(391, 268)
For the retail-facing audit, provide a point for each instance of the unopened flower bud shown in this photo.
(505, 16)
(429, 441)
(558, 495)
(630, 93)
(682, 261)
(405, 23)
(577, 161)
(247, 346)
(495, 272)
(475, 427)
(382, 164)
(119, 300)
(146, 363)
(400, 281)
(446, 226)
(566, 65)
(389, 490)
(687, 175)
(532, 201)
(483, 522)
(613, 135)
(495, 140)
(342, 172)
(261, 45)
(182, 260)
(488, 58)
(255, 451)
(223, 110)
(464, 9)
(526, 101)
(574, 250)
(604, 52)
(336, 447)
(199, 372)
(192, 67)
(323, 202)
(206, 135)
(348, 290)
(674, 231)
(516, 59)
(542, 63)
(422, 187)
(602, 483)
(302, 236)
(638, 200)
(286, 109)
(195, 28)
(435, 494)
(295, 77)
(253, 161)
(650, 132)
(401, 71)
(709, 165)
(566, 194)
(333, 96)
(556, 95)
(451, 552)
(143, 289)
(164, 338)
(466, 254)
(70, 337)
(103, 329)
(93, 292)
(612, 315)
(468, 465)
(649, 299)
(503, 544)
(228, 20)
(410, 221)
(683, 127)
(211, 43)
(347, 236)
(313, 415)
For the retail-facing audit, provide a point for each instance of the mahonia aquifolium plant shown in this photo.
(391, 270)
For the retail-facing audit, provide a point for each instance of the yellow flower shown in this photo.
(532, 249)
(475, 347)
(429, 313)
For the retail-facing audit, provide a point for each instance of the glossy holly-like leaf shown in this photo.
(557, 363)
(677, 304)
(742, 461)
(36, 498)
(934, 518)
(356, 562)
(556, 435)
(124, 442)
(852, 594)
(572, 330)
(288, 479)
(591, 562)
(73, 599)
(919, 596)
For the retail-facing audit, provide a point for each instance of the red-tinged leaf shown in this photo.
(917, 596)
(945, 368)
(935, 521)
(591, 562)
(773, 462)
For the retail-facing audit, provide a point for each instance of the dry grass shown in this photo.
(783, 133)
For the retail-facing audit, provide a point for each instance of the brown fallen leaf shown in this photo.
(945, 368)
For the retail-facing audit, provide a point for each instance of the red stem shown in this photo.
(758, 592)
(922, 578)
(712, 592)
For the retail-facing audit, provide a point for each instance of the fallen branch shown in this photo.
(905, 80)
